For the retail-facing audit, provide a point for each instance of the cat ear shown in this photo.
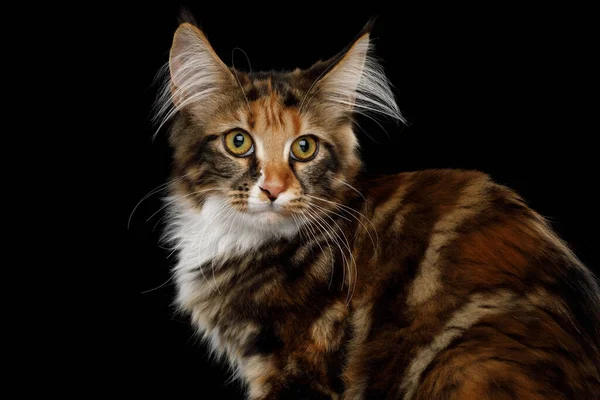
(355, 81)
(196, 70)
(196, 73)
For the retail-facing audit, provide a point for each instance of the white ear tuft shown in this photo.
(196, 74)
(357, 81)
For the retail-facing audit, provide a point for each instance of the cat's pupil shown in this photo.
(303, 145)
(238, 140)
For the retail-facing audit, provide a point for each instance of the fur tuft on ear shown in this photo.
(186, 16)
(356, 81)
(195, 74)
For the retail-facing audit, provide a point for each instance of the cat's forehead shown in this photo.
(279, 101)
(289, 87)
(272, 108)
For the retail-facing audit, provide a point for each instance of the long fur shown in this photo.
(468, 294)
(359, 81)
(196, 76)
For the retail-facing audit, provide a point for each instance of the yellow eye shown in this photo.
(304, 148)
(239, 143)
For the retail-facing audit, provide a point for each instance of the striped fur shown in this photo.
(438, 284)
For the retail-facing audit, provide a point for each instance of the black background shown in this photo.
(501, 89)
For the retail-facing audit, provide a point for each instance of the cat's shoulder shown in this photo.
(441, 188)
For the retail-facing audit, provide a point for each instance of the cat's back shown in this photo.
(474, 290)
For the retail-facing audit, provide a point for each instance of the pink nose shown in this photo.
(273, 188)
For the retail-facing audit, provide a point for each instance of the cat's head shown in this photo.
(271, 147)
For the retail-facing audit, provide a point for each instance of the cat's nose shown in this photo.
(276, 179)
(272, 188)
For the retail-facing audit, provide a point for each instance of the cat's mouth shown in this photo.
(270, 210)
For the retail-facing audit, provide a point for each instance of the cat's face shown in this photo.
(272, 149)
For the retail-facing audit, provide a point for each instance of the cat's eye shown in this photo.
(304, 148)
(239, 143)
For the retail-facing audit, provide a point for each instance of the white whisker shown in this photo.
(321, 222)
(346, 243)
(159, 286)
(350, 186)
(350, 212)
(329, 211)
(236, 76)
(170, 199)
(301, 229)
(159, 188)
(310, 224)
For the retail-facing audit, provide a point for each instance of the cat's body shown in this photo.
(468, 294)
(317, 282)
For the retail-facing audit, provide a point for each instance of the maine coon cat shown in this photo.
(315, 281)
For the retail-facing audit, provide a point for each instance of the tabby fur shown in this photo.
(437, 284)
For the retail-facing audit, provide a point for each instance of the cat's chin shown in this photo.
(270, 216)
(271, 222)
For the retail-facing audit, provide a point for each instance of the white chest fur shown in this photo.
(212, 235)
(209, 234)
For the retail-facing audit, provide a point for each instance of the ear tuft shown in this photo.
(357, 82)
(196, 74)
(368, 28)
(186, 15)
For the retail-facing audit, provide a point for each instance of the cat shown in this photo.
(315, 281)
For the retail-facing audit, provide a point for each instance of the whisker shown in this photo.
(350, 210)
(333, 212)
(310, 225)
(323, 225)
(159, 188)
(345, 242)
(340, 244)
(350, 186)
(159, 286)
(158, 222)
(236, 75)
(301, 229)
(169, 201)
